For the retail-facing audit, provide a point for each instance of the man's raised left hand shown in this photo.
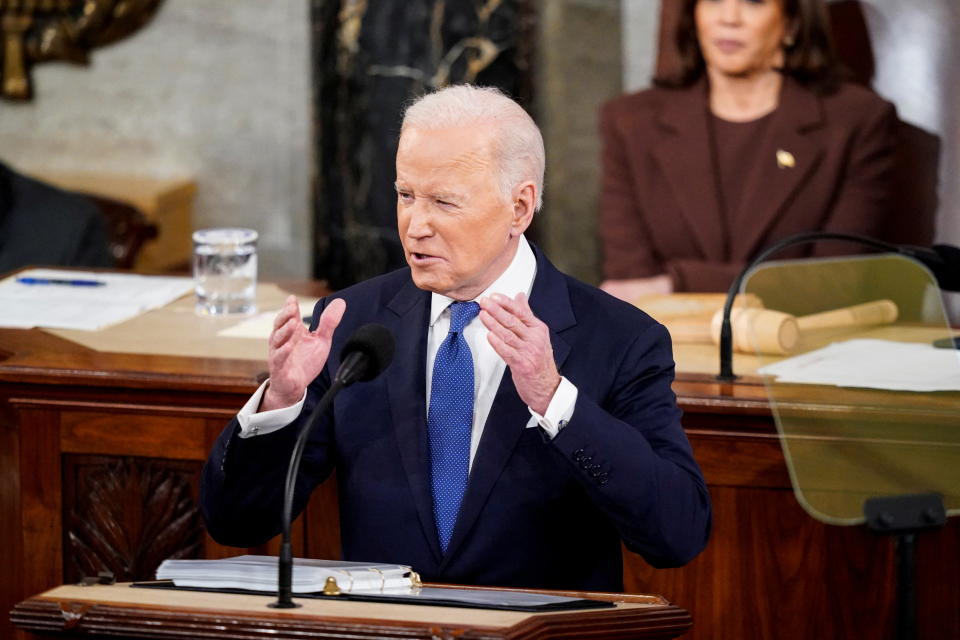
(523, 341)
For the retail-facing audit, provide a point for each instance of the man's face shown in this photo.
(458, 232)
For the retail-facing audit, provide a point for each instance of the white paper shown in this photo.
(873, 364)
(123, 296)
(260, 325)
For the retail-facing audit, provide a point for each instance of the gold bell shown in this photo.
(331, 588)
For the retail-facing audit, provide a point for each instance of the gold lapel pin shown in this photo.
(785, 159)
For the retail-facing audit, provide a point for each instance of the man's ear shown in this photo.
(524, 206)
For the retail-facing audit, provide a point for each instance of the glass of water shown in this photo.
(225, 270)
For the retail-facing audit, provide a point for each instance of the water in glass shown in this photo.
(225, 270)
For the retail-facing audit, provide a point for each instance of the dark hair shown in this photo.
(810, 59)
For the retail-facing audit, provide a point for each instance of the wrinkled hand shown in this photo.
(296, 356)
(523, 341)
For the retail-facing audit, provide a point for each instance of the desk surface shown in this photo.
(175, 348)
(102, 609)
(171, 347)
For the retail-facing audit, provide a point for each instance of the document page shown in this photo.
(873, 364)
(87, 300)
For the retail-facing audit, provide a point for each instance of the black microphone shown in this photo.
(942, 260)
(367, 352)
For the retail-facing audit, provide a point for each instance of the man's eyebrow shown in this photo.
(436, 195)
(445, 195)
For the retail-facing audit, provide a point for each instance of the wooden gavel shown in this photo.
(775, 332)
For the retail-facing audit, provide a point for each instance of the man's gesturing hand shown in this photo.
(523, 341)
(297, 356)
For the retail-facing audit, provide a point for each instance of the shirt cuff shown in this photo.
(560, 409)
(253, 423)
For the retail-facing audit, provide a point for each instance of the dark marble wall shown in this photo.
(369, 59)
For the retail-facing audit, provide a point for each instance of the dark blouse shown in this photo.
(734, 146)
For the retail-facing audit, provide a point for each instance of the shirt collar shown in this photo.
(516, 278)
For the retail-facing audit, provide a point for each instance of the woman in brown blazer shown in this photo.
(753, 140)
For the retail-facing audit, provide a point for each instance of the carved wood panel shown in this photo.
(42, 30)
(127, 515)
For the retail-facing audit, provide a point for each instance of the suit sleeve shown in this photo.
(623, 232)
(241, 490)
(632, 457)
(93, 245)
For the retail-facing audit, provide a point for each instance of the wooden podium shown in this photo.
(112, 611)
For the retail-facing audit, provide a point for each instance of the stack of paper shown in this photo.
(259, 573)
(873, 364)
(61, 299)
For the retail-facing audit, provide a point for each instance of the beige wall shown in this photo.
(217, 90)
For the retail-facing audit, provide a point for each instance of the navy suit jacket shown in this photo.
(43, 225)
(537, 512)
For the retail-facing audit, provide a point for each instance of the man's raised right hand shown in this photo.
(296, 356)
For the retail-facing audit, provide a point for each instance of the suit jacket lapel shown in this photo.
(775, 178)
(550, 301)
(406, 386)
(686, 160)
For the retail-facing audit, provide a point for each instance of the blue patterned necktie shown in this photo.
(450, 420)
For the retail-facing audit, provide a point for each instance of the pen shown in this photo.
(69, 283)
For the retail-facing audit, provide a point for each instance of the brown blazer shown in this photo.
(659, 212)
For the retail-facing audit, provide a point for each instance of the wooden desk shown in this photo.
(106, 611)
(100, 453)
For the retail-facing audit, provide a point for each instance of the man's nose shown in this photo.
(420, 225)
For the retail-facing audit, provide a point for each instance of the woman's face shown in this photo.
(741, 38)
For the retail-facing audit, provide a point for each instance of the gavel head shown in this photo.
(757, 329)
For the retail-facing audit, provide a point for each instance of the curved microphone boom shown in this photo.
(367, 352)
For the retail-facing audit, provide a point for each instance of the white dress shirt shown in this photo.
(488, 365)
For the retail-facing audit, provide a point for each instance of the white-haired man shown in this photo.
(526, 425)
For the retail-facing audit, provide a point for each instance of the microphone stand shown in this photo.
(358, 364)
(285, 561)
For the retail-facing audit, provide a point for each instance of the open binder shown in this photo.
(363, 582)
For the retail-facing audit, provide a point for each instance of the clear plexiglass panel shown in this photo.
(866, 405)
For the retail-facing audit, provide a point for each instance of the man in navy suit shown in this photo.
(526, 424)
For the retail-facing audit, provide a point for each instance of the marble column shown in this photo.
(579, 68)
(369, 60)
